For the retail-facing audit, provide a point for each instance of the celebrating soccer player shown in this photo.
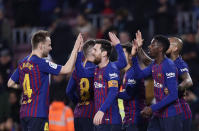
(32, 74)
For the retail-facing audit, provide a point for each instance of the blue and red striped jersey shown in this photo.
(165, 87)
(80, 90)
(32, 74)
(106, 83)
(133, 95)
(183, 68)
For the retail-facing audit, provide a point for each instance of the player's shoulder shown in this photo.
(24, 59)
(112, 66)
(111, 71)
(168, 62)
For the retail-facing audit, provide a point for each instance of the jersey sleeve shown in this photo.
(15, 76)
(49, 67)
(139, 72)
(81, 71)
(182, 67)
(121, 62)
(131, 83)
(124, 95)
(112, 77)
(71, 89)
(169, 71)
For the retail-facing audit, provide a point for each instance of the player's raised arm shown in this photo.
(121, 62)
(67, 68)
(143, 57)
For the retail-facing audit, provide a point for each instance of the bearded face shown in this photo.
(97, 53)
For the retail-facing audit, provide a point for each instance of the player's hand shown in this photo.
(139, 39)
(134, 47)
(98, 118)
(78, 43)
(146, 112)
(114, 39)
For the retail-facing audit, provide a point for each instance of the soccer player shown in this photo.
(167, 109)
(80, 90)
(32, 74)
(133, 94)
(185, 80)
(106, 82)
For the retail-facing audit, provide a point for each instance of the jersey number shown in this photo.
(26, 88)
(84, 90)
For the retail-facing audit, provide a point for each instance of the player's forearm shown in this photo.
(143, 57)
(82, 71)
(68, 67)
(187, 83)
(171, 97)
(121, 62)
(164, 102)
(12, 84)
(111, 97)
(138, 71)
(124, 96)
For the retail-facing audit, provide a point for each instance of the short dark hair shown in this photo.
(88, 45)
(39, 36)
(105, 45)
(164, 41)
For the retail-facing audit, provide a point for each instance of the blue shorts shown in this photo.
(187, 124)
(173, 123)
(34, 124)
(83, 124)
(108, 127)
(129, 127)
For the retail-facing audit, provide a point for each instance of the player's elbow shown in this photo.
(190, 83)
(10, 83)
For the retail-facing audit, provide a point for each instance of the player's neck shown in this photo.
(174, 56)
(159, 58)
(104, 62)
(37, 53)
(127, 67)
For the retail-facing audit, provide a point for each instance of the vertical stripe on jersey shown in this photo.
(33, 94)
(37, 89)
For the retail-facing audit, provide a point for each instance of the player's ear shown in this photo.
(104, 53)
(40, 46)
(175, 49)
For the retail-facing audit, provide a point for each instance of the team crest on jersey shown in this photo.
(159, 75)
(113, 83)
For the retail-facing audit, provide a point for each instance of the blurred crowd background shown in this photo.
(64, 19)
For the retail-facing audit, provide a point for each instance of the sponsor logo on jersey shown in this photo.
(131, 81)
(98, 85)
(113, 75)
(184, 70)
(51, 64)
(170, 75)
